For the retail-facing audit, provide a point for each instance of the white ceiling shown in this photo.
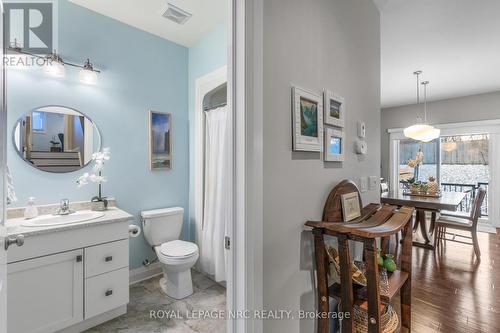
(455, 42)
(146, 15)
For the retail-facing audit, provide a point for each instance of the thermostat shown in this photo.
(361, 147)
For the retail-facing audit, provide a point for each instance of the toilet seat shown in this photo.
(178, 249)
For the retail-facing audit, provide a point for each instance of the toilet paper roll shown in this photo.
(134, 230)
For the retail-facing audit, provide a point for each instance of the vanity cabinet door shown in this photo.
(45, 293)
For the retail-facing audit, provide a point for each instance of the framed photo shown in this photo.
(307, 109)
(334, 145)
(160, 140)
(350, 206)
(334, 109)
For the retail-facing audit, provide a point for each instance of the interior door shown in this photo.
(3, 159)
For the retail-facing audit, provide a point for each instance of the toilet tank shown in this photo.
(162, 225)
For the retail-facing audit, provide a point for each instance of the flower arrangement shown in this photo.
(99, 158)
(415, 164)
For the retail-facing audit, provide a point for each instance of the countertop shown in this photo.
(112, 215)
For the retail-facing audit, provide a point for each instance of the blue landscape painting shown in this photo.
(335, 145)
(160, 140)
(308, 117)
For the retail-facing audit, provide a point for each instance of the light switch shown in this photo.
(363, 184)
(373, 182)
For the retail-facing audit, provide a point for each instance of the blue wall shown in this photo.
(139, 72)
(207, 55)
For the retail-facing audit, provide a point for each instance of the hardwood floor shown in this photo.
(452, 292)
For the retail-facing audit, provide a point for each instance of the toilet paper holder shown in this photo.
(134, 230)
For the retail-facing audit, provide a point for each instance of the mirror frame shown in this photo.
(13, 137)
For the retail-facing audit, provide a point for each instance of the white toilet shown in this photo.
(162, 228)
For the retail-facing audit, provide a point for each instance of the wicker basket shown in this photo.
(334, 273)
(358, 276)
(389, 320)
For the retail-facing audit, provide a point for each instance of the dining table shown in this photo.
(448, 201)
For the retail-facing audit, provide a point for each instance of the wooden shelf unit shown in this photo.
(376, 222)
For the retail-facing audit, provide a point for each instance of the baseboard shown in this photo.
(144, 273)
(96, 320)
(486, 227)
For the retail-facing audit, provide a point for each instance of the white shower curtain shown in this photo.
(217, 193)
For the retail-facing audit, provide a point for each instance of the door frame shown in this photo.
(3, 164)
(491, 127)
(245, 82)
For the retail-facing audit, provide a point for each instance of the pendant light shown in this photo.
(422, 131)
(87, 74)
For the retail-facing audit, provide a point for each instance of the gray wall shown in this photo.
(462, 109)
(316, 45)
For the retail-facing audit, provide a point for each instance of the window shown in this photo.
(459, 162)
(465, 167)
(38, 121)
(418, 160)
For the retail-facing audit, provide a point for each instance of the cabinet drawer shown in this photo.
(105, 258)
(106, 292)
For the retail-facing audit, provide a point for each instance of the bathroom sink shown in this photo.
(54, 220)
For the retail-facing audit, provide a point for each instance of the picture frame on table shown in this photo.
(350, 206)
(307, 121)
(334, 109)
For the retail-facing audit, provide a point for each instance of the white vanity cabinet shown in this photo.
(69, 280)
(45, 294)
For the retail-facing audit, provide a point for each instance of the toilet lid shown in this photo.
(178, 248)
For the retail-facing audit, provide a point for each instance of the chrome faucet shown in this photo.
(64, 208)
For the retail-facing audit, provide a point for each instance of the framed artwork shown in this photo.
(307, 114)
(160, 140)
(334, 145)
(334, 109)
(350, 206)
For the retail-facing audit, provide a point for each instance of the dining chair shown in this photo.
(463, 223)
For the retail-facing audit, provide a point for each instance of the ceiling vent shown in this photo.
(175, 14)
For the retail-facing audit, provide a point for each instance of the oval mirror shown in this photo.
(56, 139)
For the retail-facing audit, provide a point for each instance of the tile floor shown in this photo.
(147, 296)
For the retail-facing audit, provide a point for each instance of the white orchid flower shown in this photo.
(83, 180)
(95, 177)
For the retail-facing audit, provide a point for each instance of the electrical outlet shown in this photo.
(363, 184)
(373, 182)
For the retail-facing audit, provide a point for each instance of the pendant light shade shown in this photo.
(422, 131)
(449, 146)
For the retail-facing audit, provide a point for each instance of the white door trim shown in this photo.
(3, 163)
(245, 67)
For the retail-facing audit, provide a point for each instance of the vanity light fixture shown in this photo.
(54, 65)
(87, 74)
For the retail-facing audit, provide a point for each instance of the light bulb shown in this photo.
(55, 67)
(88, 76)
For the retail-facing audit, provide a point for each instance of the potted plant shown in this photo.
(99, 203)
(433, 185)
